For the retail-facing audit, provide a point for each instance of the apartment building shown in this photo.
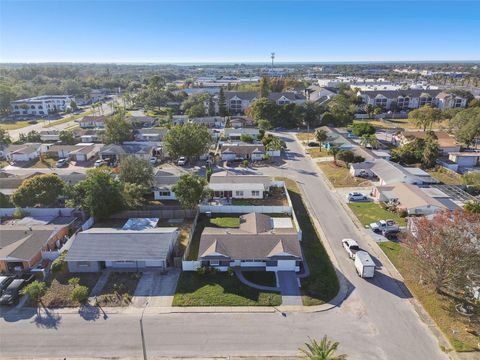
(42, 105)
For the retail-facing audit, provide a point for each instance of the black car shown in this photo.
(12, 292)
(4, 282)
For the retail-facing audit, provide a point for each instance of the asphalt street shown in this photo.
(376, 321)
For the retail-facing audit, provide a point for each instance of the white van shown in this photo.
(364, 264)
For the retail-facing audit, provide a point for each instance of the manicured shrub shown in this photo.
(80, 294)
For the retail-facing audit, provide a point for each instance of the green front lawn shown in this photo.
(441, 307)
(340, 176)
(318, 152)
(266, 278)
(369, 212)
(119, 289)
(322, 284)
(445, 176)
(14, 125)
(220, 289)
(204, 221)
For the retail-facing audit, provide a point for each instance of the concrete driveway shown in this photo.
(288, 284)
(155, 288)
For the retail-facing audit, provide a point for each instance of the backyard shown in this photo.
(445, 176)
(221, 289)
(119, 289)
(368, 212)
(340, 176)
(322, 284)
(459, 330)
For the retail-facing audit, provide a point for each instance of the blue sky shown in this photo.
(238, 31)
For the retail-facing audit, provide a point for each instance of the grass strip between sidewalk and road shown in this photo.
(322, 285)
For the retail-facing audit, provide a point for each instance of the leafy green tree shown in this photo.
(133, 195)
(378, 110)
(6, 95)
(321, 136)
(118, 129)
(410, 153)
(4, 137)
(5, 201)
(263, 108)
(472, 181)
(425, 116)
(188, 140)
(466, 125)
(40, 190)
(264, 87)
(472, 206)
(35, 290)
(80, 294)
(430, 150)
(136, 171)
(197, 110)
(263, 124)
(211, 106)
(100, 195)
(369, 109)
(246, 138)
(73, 105)
(190, 189)
(74, 281)
(323, 350)
(339, 105)
(32, 136)
(346, 156)
(273, 143)
(222, 105)
(287, 116)
(363, 128)
(67, 137)
(311, 114)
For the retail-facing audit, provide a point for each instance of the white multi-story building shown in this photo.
(42, 105)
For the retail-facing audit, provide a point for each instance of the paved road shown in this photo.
(376, 321)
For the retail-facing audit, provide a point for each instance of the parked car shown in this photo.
(351, 247)
(385, 225)
(4, 282)
(356, 196)
(363, 174)
(313, 144)
(182, 161)
(153, 160)
(99, 163)
(364, 265)
(62, 163)
(12, 292)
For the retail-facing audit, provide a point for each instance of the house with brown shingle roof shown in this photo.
(242, 151)
(446, 142)
(260, 241)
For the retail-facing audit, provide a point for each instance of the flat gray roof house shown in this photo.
(136, 246)
(257, 242)
(230, 185)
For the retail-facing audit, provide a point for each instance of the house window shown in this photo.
(214, 262)
(425, 101)
(164, 193)
(272, 263)
(458, 103)
(83, 264)
(238, 193)
(255, 193)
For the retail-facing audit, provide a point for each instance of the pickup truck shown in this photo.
(351, 247)
(384, 226)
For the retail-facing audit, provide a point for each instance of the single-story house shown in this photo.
(114, 152)
(465, 159)
(242, 151)
(236, 133)
(258, 242)
(389, 172)
(142, 121)
(79, 152)
(92, 122)
(163, 181)
(49, 135)
(446, 142)
(21, 245)
(209, 121)
(411, 198)
(24, 152)
(336, 139)
(10, 182)
(240, 121)
(151, 134)
(228, 185)
(138, 245)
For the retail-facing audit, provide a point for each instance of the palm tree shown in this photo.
(369, 109)
(334, 150)
(321, 136)
(325, 350)
(369, 140)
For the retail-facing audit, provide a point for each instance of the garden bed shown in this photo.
(119, 289)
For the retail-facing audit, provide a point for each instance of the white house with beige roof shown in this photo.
(229, 185)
